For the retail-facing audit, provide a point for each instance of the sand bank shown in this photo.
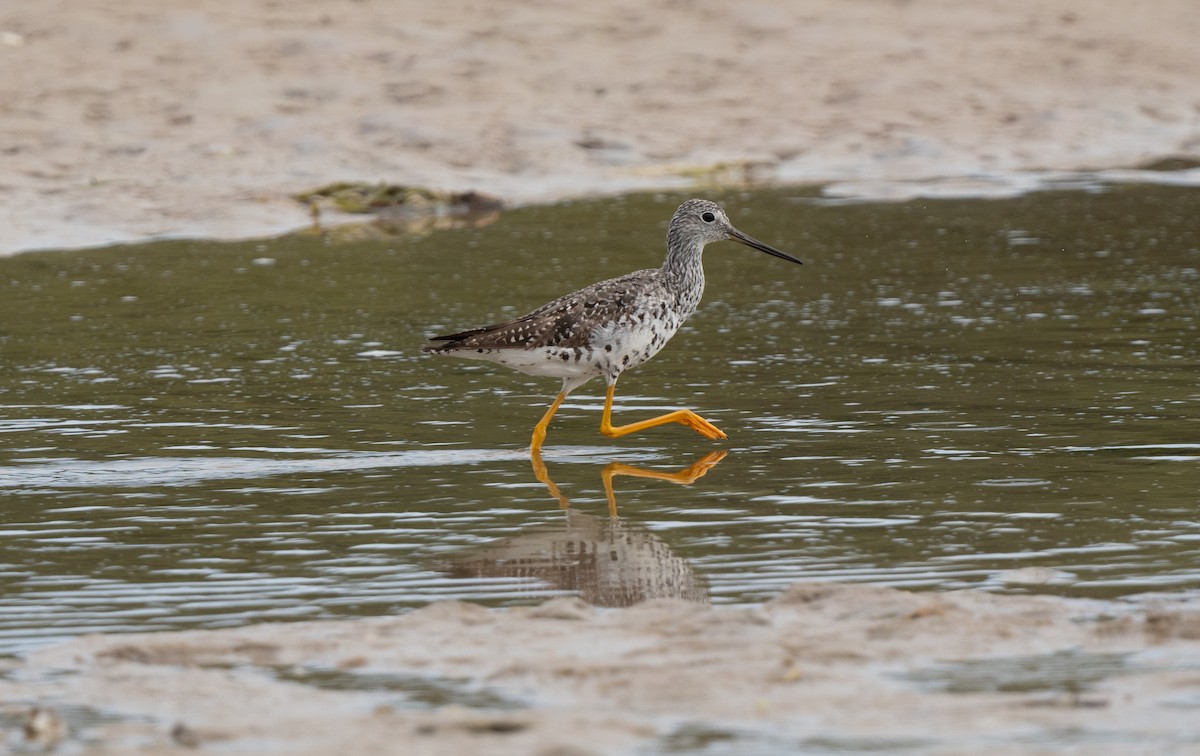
(821, 668)
(135, 120)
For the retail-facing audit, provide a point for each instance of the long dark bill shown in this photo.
(750, 241)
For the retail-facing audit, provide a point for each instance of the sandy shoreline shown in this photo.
(121, 123)
(822, 668)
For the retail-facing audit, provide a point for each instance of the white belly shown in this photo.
(552, 362)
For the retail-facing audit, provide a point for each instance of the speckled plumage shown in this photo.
(614, 325)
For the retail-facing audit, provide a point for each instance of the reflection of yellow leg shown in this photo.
(543, 475)
(684, 477)
(539, 430)
(683, 417)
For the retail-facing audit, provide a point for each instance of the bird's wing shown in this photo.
(566, 322)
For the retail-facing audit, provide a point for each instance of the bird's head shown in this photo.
(703, 221)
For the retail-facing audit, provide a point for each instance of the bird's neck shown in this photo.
(683, 270)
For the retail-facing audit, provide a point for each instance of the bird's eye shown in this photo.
(707, 217)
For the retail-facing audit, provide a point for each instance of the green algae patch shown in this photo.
(396, 210)
(361, 198)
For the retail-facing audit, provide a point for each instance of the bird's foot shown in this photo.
(700, 425)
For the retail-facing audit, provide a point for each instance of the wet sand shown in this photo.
(125, 122)
(823, 667)
(129, 122)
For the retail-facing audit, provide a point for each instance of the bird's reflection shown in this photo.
(606, 560)
(684, 477)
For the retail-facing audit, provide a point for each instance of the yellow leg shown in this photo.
(539, 430)
(684, 477)
(683, 417)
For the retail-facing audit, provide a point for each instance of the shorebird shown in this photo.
(611, 326)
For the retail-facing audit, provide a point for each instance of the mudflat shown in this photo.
(124, 121)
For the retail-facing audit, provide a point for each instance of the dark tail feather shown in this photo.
(453, 339)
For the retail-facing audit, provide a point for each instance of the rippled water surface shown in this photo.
(993, 393)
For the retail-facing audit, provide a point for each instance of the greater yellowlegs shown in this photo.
(611, 326)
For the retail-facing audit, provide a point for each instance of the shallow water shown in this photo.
(958, 393)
